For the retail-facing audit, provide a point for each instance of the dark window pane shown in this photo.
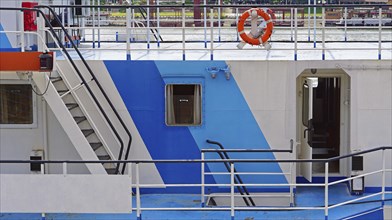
(16, 104)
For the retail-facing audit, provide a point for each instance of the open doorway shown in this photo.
(322, 121)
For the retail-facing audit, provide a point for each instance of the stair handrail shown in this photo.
(143, 12)
(223, 155)
(38, 10)
(88, 87)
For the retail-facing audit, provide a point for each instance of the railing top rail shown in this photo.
(202, 161)
(245, 150)
(225, 6)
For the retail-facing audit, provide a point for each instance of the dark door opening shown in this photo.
(326, 123)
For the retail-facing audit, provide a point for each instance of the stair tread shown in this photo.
(111, 170)
(103, 157)
(95, 146)
(71, 106)
(87, 132)
(55, 79)
(79, 119)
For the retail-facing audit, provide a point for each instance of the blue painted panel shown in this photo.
(375, 214)
(142, 90)
(4, 41)
(227, 118)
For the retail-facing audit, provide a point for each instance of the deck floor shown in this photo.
(305, 196)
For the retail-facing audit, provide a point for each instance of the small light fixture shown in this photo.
(313, 71)
(215, 70)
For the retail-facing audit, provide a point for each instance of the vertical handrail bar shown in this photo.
(232, 190)
(296, 35)
(158, 24)
(22, 36)
(183, 30)
(308, 20)
(128, 32)
(314, 24)
(93, 23)
(138, 203)
(99, 24)
(291, 185)
(236, 22)
(383, 178)
(202, 179)
(219, 21)
(345, 24)
(205, 23)
(212, 33)
(148, 24)
(379, 31)
(323, 32)
(326, 191)
(65, 168)
(292, 17)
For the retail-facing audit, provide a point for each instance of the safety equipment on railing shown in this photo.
(260, 34)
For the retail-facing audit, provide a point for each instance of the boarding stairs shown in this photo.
(85, 111)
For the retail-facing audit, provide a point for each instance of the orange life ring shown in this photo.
(248, 38)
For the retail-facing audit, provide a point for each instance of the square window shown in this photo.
(183, 104)
(16, 104)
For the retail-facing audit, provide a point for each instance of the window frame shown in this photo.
(34, 106)
(201, 105)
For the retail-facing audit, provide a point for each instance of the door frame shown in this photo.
(344, 116)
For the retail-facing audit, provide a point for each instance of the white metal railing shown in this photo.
(134, 165)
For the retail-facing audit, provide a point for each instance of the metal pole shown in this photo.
(291, 186)
(326, 191)
(138, 211)
(65, 168)
(128, 33)
(292, 17)
(383, 178)
(22, 36)
(296, 34)
(205, 24)
(379, 32)
(236, 21)
(148, 25)
(212, 33)
(323, 32)
(99, 24)
(158, 14)
(219, 21)
(345, 24)
(93, 32)
(232, 190)
(202, 181)
(314, 24)
(308, 21)
(183, 30)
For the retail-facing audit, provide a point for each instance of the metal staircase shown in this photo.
(72, 106)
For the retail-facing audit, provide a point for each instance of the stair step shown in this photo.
(87, 132)
(71, 106)
(104, 157)
(79, 119)
(111, 170)
(62, 91)
(55, 79)
(95, 146)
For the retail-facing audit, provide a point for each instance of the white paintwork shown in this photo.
(307, 151)
(387, 212)
(68, 123)
(65, 194)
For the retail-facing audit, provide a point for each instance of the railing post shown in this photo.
(65, 168)
(128, 33)
(379, 32)
(291, 185)
(205, 24)
(236, 21)
(148, 24)
(158, 20)
(326, 191)
(212, 33)
(93, 20)
(323, 32)
(202, 180)
(183, 30)
(99, 24)
(292, 17)
(232, 201)
(314, 24)
(219, 21)
(138, 211)
(309, 21)
(296, 35)
(345, 23)
(383, 178)
(22, 36)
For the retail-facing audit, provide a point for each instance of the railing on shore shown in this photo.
(137, 185)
